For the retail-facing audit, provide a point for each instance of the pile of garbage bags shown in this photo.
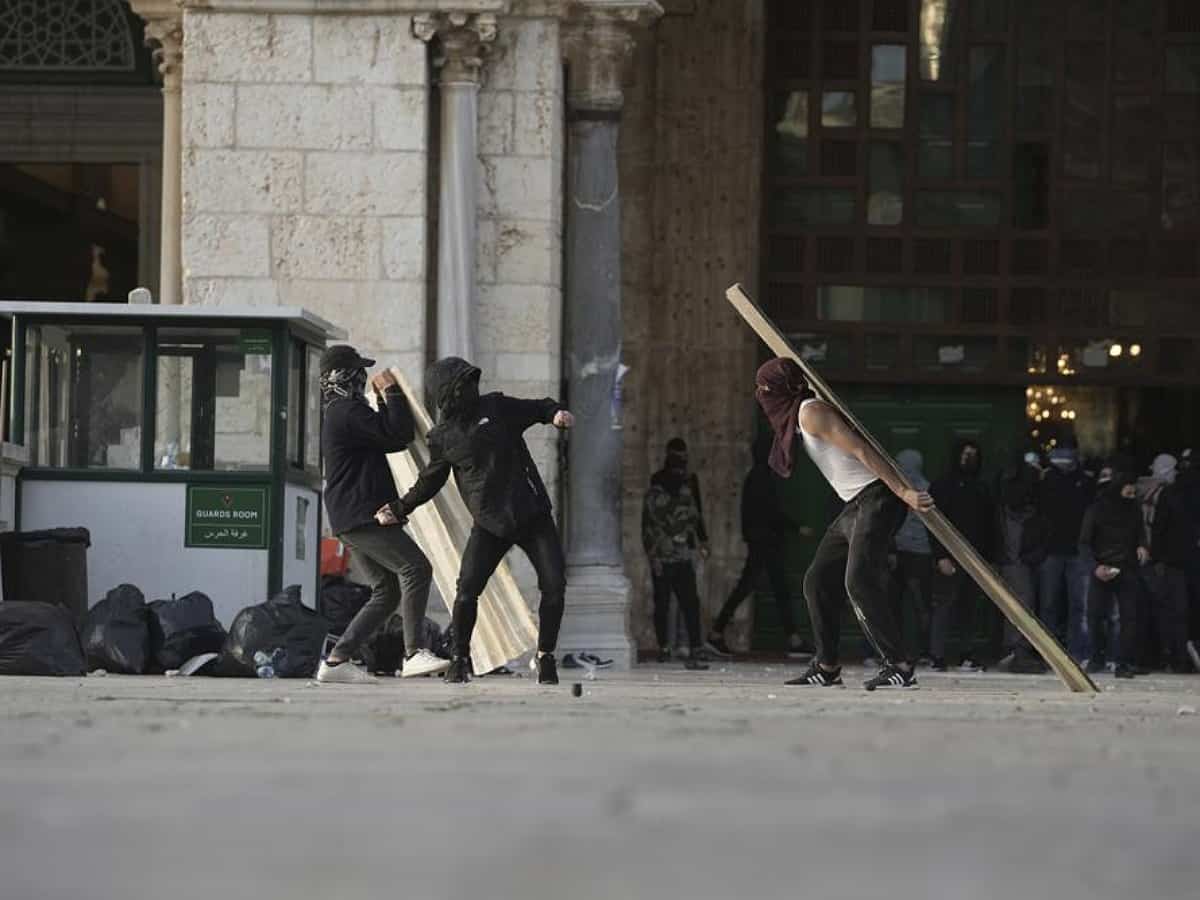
(123, 634)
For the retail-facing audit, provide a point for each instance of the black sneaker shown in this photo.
(717, 647)
(459, 671)
(1123, 671)
(815, 676)
(547, 669)
(570, 662)
(938, 664)
(892, 678)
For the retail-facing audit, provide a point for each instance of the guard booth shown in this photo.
(186, 439)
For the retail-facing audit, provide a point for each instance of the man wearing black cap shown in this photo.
(355, 441)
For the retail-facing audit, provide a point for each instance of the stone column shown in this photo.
(164, 31)
(462, 40)
(598, 39)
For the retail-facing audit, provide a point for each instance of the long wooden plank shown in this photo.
(505, 629)
(939, 526)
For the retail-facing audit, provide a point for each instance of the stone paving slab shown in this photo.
(660, 780)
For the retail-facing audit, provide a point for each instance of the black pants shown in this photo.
(1123, 590)
(955, 600)
(539, 539)
(678, 578)
(912, 579)
(1169, 601)
(396, 570)
(855, 549)
(768, 557)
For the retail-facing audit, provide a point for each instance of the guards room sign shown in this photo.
(229, 517)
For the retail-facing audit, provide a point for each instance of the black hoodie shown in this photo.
(1112, 527)
(1062, 499)
(354, 442)
(763, 520)
(481, 441)
(966, 502)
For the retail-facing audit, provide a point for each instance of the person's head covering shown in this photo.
(674, 472)
(1164, 467)
(956, 463)
(1064, 459)
(343, 372)
(452, 388)
(677, 454)
(912, 464)
(343, 356)
(781, 388)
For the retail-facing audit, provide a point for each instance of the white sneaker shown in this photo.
(344, 673)
(423, 662)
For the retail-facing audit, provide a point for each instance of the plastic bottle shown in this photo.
(266, 666)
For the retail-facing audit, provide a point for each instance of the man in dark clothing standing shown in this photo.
(1020, 549)
(675, 467)
(355, 441)
(764, 526)
(1063, 496)
(1188, 487)
(481, 440)
(1172, 543)
(965, 501)
(1110, 535)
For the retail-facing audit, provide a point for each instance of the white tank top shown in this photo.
(845, 474)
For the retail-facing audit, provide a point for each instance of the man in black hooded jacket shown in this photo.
(481, 440)
(964, 499)
(1110, 535)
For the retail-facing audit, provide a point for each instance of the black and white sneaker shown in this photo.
(547, 669)
(459, 671)
(591, 659)
(815, 676)
(892, 678)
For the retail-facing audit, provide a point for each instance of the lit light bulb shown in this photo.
(1029, 391)
(1115, 350)
(1063, 415)
(1135, 349)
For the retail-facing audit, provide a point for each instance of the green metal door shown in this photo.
(928, 419)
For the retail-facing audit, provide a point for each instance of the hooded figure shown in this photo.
(1170, 525)
(481, 439)
(1110, 535)
(913, 536)
(674, 475)
(781, 387)
(965, 500)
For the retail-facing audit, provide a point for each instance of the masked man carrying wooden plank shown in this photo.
(855, 547)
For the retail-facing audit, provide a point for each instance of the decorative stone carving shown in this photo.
(597, 41)
(166, 38)
(462, 42)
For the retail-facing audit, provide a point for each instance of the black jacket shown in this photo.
(1173, 534)
(967, 503)
(1110, 531)
(486, 450)
(1063, 498)
(354, 441)
(763, 519)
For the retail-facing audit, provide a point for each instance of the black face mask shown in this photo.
(464, 400)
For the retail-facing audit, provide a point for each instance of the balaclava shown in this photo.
(340, 383)
(781, 388)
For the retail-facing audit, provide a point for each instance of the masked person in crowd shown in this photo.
(1064, 494)
(1020, 548)
(912, 575)
(672, 529)
(481, 440)
(1188, 487)
(855, 546)
(676, 463)
(1110, 535)
(355, 441)
(965, 500)
(1169, 528)
(765, 524)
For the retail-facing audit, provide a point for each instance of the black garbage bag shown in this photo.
(385, 651)
(39, 639)
(116, 632)
(182, 628)
(341, 600)
(283, 622)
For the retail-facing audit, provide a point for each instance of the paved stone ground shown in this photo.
(724, 784)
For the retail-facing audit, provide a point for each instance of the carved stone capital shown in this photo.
(462, 41)
(164, 33)
(598, 38)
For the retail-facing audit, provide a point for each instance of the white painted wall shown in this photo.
(137, 537)
(297, 570)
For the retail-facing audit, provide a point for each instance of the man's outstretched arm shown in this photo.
(824, 422)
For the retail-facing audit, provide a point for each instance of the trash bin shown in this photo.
(46, 567)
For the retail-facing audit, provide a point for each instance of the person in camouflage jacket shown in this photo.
(671, 526)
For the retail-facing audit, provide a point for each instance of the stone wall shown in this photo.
(304, 172)
(691, 166)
